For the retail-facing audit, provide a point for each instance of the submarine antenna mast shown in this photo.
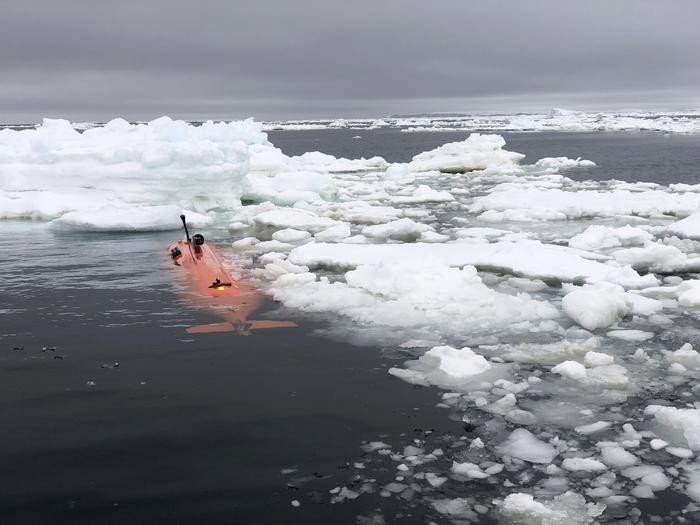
(184, 223)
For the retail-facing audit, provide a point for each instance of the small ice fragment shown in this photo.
(469, 470)
(680, 452)
(592, 359)
(476, 443)
(522, 444)
(374, 445)
(630, 335)
(593, 427)
(571, 369)
(583, 464)
(642, 492)
(618, 457)
(435, 480)
(657, 444)
(596, 306)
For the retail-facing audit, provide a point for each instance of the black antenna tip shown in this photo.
(182, 216)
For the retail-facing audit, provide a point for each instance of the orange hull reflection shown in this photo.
(211, 286)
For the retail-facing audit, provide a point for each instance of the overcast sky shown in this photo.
(275, 59)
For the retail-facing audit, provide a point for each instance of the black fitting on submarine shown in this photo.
(184, 223)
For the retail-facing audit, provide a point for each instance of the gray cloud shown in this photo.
(309, 58)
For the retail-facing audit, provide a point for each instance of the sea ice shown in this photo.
(595, 307)
(583, 464)
(567, 509)
(526, 258)
(478, 152)
(130, 219)
(522, 444)
(53, 169)
(597, 237)
(680, 426)
(443, 366)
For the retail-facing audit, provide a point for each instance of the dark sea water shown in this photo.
(197, 429)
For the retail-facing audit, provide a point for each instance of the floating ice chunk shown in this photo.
(435, 297)
(236, 226)
(545, 353)
(522, 215)
(641, 471)
(556, 164)
(422, 194)
(640, 305)
(54, 169)
(630, 335)
(360, 212)
(402, 229)
(288, 188)
(592, 359)
(617, 457)
(293, 218)
(291, 236)
(457, 507)
(246, 242)
(658, 444)
(685, 356)
(595, 307)
(521, 417)
(593, 427)
(688, 293)
(656, 257)
(373, 446)
(317, 161)
(431, 236)
(583, 464)
(656, 481)
(334, 233)
(477, 152)
(125, 219)
(642, 491)
(529, 285)
(273, 246)
(521, 444)
(606, 376)
(343, 494)
(379, 123)
(468, 470)
(680, 426)
(572, 370)
(693, 487)
(503, 405)
(443, 365)
(527, 258)
(279, 267)
(688, 227)
(567, 509)
(585, 203)
(434, 480)
(598, 237)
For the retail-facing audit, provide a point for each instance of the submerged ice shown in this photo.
(553, 315)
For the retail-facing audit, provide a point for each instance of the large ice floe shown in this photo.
(553, 317)
(556, 119)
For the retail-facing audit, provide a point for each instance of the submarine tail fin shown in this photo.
(244, 329)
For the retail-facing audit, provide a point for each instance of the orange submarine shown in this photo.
(209, 285)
